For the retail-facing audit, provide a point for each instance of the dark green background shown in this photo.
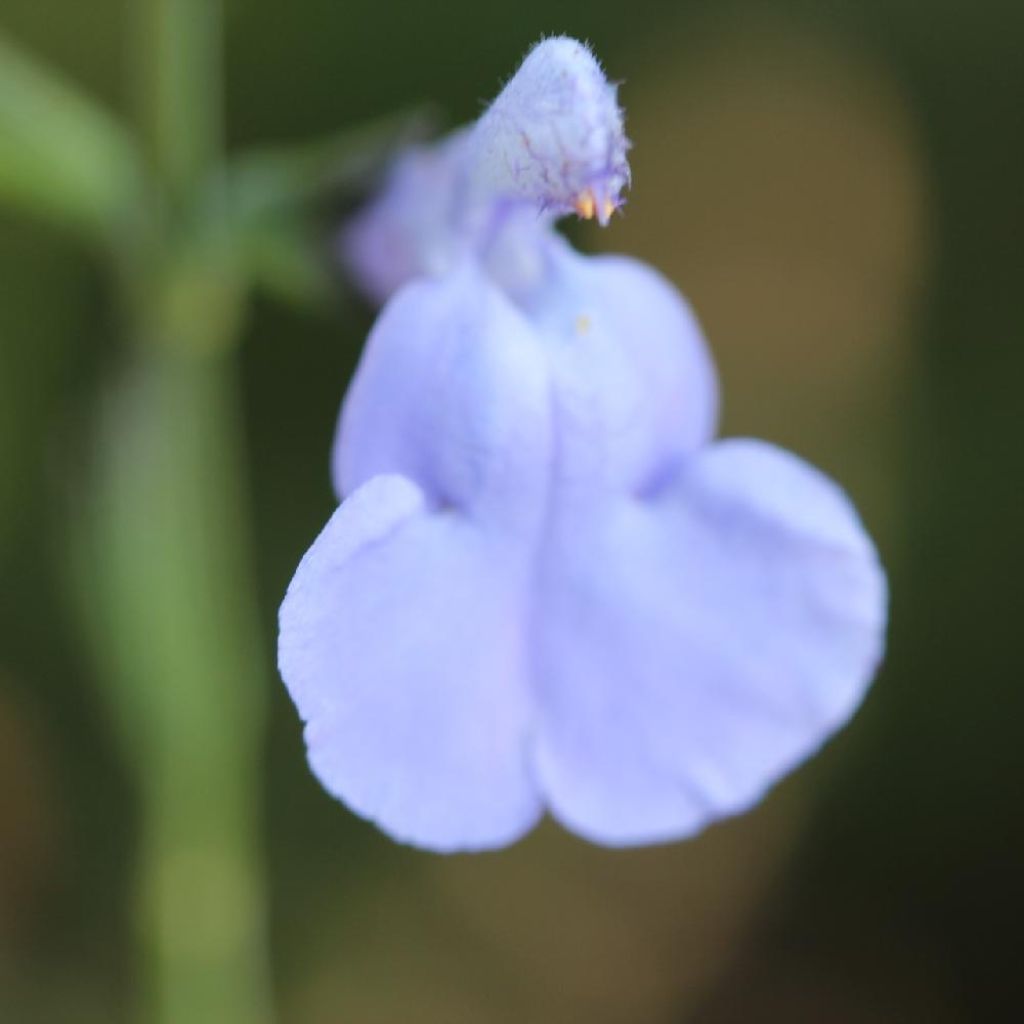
(906, 890)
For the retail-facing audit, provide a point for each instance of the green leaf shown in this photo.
(278, 178)
(276, 198)
(288, 261)
(61, 155)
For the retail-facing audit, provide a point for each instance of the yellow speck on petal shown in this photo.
(586, 206)
(582, 323)
(607, 209)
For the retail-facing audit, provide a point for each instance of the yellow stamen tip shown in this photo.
(585, 205)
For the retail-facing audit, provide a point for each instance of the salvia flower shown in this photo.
(547, 587)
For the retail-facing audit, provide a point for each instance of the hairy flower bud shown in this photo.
(555, 136)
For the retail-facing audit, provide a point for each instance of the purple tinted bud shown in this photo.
(554, 137)
(411, 227)
(552, 143)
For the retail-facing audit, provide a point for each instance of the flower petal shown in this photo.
(400, 643)
(698, 644)
(635, 386)
(452, 392)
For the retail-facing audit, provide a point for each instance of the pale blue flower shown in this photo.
(547, 588)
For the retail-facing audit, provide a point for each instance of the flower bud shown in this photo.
(555, 136)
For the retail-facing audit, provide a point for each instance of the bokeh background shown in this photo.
(837, 187)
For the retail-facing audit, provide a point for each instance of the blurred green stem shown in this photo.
(184, 661)
(187, 679)
(179, 58)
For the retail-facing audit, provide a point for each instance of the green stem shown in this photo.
(179, 59)
(171, 580)
(201, 876)
(171, 555)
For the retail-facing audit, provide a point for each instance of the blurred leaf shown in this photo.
(61, 155)
(288, 261)
(275, 196)
(278, 178)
